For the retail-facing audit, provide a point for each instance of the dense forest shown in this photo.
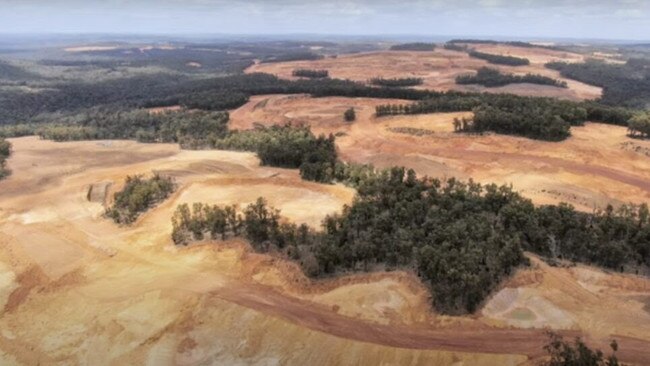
(490, 77)
(137, 196)
(623, 85)
(416, 46)
(312, 74)
(5, 151)
(460, 238)
(500, 59)
(396, 82)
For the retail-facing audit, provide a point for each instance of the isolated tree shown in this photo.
(350, 115)
(640, 125)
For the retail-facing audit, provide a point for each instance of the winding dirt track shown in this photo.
(529, 342)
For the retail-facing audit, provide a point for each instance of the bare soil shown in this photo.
(77, 289)
(440, 68)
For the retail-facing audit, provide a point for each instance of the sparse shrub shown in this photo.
(350, 115)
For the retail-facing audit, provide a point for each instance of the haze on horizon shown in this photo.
(593, 19)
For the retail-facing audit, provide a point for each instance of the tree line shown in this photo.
(500, 59)
(138, 195)
(490, 77)
(309, 73)
(623, 85)
(5, 152)
(461, 238)
(416, 46)
(396, 82)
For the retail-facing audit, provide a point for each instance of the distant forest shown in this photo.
(418, 46)
(623, 85)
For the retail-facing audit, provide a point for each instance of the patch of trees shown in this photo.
(312, 74)
(139, 195)
(350, 115)
(195, 129)
(500, 59)
(624, 85)
(416, 46)
(295, 56)
(5, 151)
(490, 77)
(397, 82)
(287, 147)
(460, 238)
(532, 117)
(639, 125)
(576, 353)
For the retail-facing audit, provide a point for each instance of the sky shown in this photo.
(522, 19)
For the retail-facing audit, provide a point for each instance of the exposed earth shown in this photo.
(439, 69)
(77, 289)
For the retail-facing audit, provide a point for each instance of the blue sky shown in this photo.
(602, 19)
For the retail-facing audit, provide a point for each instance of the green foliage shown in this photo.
(537, 118)
(5, 152)
(564, 353)
(192, 129)
(416, 46)
(137, 196)
(460, 238)
(492, 78)
(500, 59)
(312, 74)
(204, 221)
(350, 115)
(397, 82)
(639, 125)
(623, 85)
(287, 147)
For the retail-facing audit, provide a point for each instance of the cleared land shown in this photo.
(440, 68)
(75, 288)
(596, 166)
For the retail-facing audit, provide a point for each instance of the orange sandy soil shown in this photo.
(77, 289)
(440, 68)
(598, 165)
